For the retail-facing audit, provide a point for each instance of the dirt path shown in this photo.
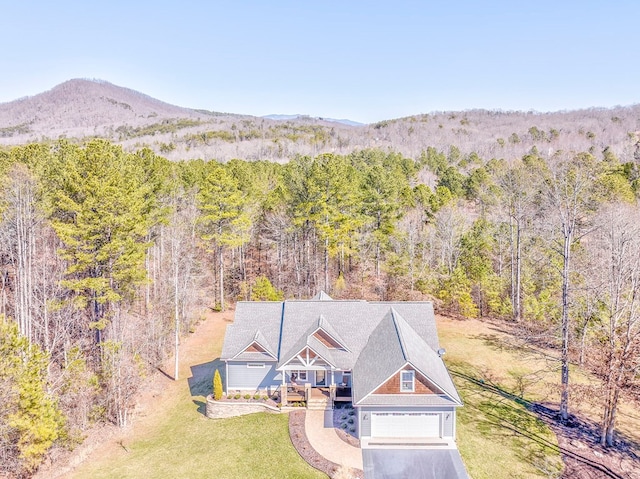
(157, 395)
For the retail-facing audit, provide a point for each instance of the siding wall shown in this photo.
(250, 379)
(421, 385)
(448, 428)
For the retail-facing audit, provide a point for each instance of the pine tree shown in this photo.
(29, 418)
(100, 209)
(263, 290)
(223, 220)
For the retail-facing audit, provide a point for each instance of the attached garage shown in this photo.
(405, 424)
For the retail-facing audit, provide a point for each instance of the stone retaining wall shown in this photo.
(221, 409)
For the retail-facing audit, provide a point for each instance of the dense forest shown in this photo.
(108, 256)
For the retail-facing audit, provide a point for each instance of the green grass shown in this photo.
(498, 437)
(189, 445)
(247, 446)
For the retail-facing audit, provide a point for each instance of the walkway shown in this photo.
(323, 438)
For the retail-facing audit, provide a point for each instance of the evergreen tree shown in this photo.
(224, 222)
(30, 421)
(217, 385)
(263, 290)
(100, 209)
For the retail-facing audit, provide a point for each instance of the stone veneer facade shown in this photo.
(222, 409)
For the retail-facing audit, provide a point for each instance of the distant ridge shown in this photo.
(82, 109)
(279, 117)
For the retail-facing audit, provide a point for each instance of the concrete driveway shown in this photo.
(318, 426)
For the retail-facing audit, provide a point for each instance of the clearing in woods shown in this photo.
(498, 435)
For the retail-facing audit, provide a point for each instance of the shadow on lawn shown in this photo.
(201, 380)
(202, 406)
(499, 409)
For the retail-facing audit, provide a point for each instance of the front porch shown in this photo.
(315, 396)
(313, 378)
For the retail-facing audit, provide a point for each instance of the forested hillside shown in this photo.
(83, 109)
(109, 252)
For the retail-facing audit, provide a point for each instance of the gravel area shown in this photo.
(344, 420)
(302, 445)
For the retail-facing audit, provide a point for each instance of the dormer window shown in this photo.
(407, 381)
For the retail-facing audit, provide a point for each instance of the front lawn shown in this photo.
(189, 445)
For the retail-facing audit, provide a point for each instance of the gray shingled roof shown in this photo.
(326, 326)
(253, 356)
(380, 338)
(322, 296)
(307, 339)
(379, 360)
(392, 345)
(253, 320)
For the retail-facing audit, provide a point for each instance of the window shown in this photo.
(346, 378)
(255, 365)
(407, 381)
(299, 376)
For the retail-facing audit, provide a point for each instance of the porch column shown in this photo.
(307, 391)
(332, 388)
(283, 390)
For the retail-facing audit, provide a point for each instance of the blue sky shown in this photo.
(362, 60)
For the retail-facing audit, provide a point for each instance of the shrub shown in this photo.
(351, 420)
(263, 290)
(237, 396)
(247, 396)
(217, 386)
(351, 412)
(265, 397)
(256, 396)
(343, 425)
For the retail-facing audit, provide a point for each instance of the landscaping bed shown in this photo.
(253, 398)
(344, 422)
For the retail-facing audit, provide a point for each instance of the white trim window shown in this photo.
(302, 375)
(255, 365)
(407, 381)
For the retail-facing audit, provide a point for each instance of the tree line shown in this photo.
(109, 256)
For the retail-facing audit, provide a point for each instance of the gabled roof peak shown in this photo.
(259, 337)
(322, 296)
(387, 353)
(326, 327)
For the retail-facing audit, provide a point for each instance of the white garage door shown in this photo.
(405, 424)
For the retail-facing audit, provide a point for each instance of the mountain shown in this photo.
(80, 109)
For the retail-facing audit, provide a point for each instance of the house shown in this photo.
(384, 357)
